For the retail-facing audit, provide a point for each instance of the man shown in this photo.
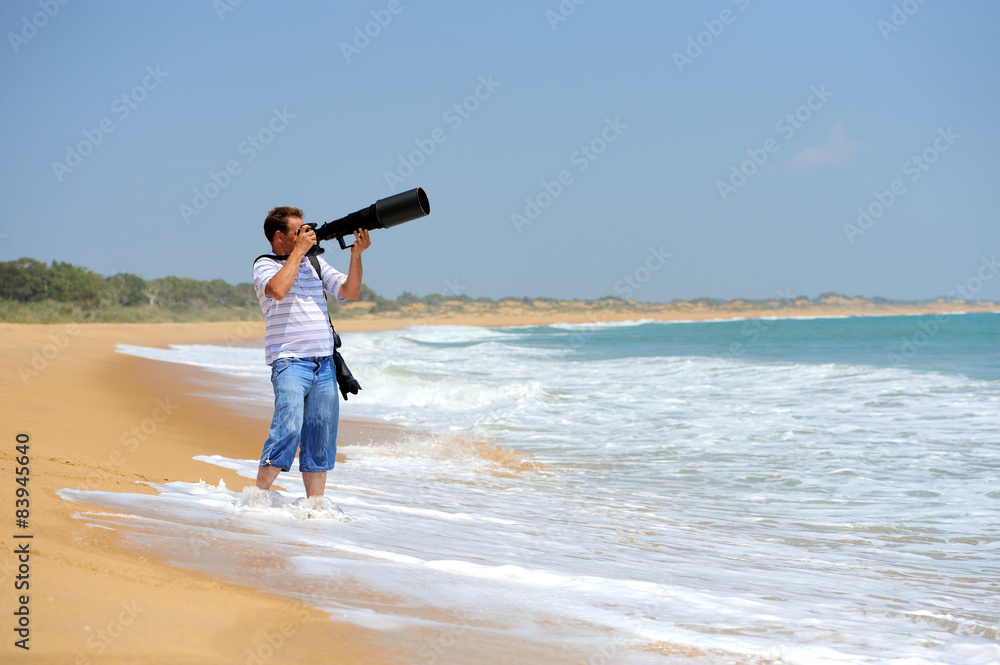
(298, 345)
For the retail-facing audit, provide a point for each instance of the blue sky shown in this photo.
(650, 150)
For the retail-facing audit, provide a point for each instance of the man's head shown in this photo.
(281, 226)
(277, 220)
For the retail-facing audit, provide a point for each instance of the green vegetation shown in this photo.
(33, 292)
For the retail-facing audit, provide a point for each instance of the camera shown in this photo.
(383, 214)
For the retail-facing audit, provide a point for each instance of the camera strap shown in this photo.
(315, 264)
(345, 380)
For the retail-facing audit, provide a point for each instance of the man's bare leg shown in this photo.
(315, 482)
(266, 476)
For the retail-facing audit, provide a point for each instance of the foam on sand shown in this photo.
(302, 508)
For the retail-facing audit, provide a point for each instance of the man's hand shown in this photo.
(351, 288)
(304, 240)
(361, 242)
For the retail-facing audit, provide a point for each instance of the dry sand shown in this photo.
(90, 599)
(105, 421)
(513, 312)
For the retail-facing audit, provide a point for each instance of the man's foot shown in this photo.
(254, 497)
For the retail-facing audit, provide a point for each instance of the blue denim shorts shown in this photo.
(306, 411)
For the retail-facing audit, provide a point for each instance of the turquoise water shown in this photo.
(965, 343)
(800, 491)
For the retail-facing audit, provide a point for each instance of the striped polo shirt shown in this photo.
(297, 326)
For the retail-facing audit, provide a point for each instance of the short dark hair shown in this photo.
(277, 220)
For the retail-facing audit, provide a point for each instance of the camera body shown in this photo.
(383, 214)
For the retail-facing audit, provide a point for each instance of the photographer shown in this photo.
(299, 347)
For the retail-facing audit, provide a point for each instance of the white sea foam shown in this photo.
(232, 360)
(318, 507)
(816, 512)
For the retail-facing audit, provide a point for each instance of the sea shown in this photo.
(805, 491)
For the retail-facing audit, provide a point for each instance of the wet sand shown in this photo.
(100, 420)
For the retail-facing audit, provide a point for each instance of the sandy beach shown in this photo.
(541, 311)
(99, 420)
(104, 421)
(96, 419)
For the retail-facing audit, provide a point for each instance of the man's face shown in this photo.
(286, 241)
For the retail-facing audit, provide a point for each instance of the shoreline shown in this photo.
(102, 420)
(543, 312)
